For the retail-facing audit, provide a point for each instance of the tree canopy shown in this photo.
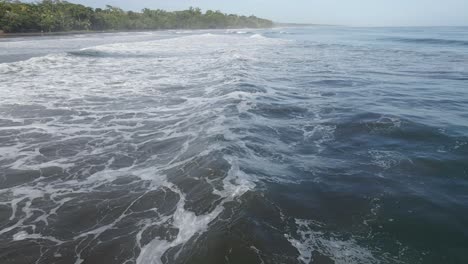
(56, 15)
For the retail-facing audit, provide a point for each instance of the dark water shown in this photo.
(311, 145)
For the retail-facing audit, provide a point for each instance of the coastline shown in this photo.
(82, 32)
(64, 33)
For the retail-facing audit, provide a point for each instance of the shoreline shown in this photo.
(65, 33)
(82, 32)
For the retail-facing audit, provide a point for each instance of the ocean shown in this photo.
(320, 144)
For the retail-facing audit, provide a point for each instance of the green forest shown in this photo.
(61, 16)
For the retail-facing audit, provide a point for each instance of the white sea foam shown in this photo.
(339, 250)
(114, 101)
(386, 159)
(188, 224)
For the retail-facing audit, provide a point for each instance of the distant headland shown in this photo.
(62, 16)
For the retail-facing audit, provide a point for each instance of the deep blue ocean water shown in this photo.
(286, 145)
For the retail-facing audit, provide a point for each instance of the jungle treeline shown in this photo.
(62, 16)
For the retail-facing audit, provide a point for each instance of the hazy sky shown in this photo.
(342, 12)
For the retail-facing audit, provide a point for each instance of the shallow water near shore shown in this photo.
(287, 145)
